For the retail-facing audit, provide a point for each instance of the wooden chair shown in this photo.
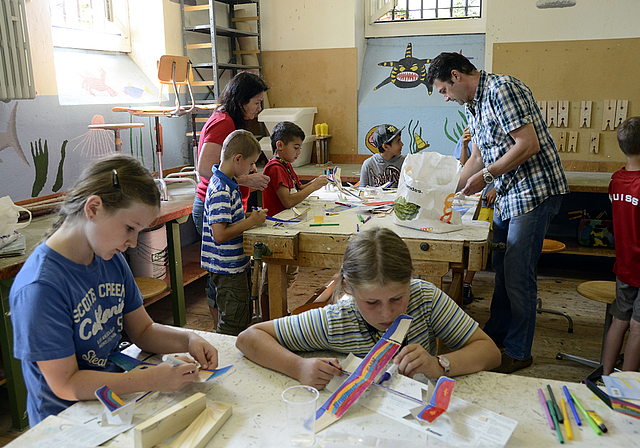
(176, 71)
(550, 247)
(321, 298)
(150, 286)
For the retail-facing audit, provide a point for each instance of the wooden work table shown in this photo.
(259, 417)
(180, 272)
(433, 255)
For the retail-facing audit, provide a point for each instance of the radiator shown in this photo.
(16, 73)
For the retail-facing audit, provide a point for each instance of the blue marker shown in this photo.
(573, 408)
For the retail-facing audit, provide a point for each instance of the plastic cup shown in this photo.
(300, 403)
(318, 213)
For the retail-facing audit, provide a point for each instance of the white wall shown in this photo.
(521, 21)
(39, 25)
(307, 24)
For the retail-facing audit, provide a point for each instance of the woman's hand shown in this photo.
(317, 372)
(414, 359)
(255, 180)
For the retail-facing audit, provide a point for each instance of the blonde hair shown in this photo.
(118, 179)
(375, 257)
(239, 142)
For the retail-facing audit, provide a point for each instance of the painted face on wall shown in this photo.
(253, 107)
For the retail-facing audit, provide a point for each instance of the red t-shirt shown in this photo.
(279, 175)
(624, 194)
(216, 129)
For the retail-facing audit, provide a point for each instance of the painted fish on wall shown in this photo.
(9, 139)
(408, 72)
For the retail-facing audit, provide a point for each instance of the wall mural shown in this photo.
(408, 72)
(9, 139)
(430, 121)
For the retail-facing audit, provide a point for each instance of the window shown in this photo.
(389, 18)
(90, 24)
(433, 9)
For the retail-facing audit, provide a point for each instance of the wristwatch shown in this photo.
(487, 176)
(445, 364)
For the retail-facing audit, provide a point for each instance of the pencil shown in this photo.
(342, 203)
(586, 416)
(555, 404)
(546, 408)
(573, 408)
(567, 423)
(555, 420)
(319, 224)
(596, 418)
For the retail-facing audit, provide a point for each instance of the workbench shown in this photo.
(172, 213)
(259, 417)
(433, 255)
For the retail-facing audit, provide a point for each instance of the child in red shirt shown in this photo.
(624, 193)
(284, 189)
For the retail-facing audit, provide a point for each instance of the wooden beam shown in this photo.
(169, 422)
(198, 46)
(204, 427)
(196, 8)
(245, 19)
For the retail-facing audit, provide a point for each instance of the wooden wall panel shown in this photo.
(326, 79)
(575, 71)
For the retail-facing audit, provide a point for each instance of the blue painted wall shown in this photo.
(412, 107)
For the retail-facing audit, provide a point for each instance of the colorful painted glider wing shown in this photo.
(364, 375)
(109, 398)
(439, 402)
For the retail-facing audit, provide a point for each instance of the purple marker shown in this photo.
(546, 409)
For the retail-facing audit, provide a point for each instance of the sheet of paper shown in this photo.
(84, 434)
(464, 423)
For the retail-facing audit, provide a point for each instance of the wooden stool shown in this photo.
(600, 291)
(116, 129)
(550, 247)
(150, 287)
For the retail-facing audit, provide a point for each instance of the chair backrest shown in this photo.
(166, 69)
(175, 71)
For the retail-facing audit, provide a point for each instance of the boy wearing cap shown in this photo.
(385, 165)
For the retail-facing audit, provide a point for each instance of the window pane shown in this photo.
(444, 13)
(474, 11)
(474, 3)
(402, 4)
(414, 5)
(458, 12)
(415, 15)
(444, 4)
(430, 4)
(429, 14)
(429, 9)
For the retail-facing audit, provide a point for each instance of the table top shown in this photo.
(180, 204)
(115, 126)
(259, 420)
(166, 111)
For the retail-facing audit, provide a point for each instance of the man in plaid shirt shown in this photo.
(512, 147)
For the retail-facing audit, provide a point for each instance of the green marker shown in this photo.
(587, 417)
(324, 224)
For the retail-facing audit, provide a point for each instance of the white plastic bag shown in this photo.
(9, 214)
(427, 184)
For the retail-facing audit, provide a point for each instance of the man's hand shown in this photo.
(474, 184)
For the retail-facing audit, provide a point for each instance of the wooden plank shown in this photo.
(199, 46)
(432, 250)
(246, 52)
(284, 247)
(204, 427)
(169, 422)
(245, 19)
(478, 254)
(202, 83)
(196, 8)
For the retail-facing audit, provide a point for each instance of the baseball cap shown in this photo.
(384, 134)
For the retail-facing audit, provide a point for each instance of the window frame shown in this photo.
(424, 27)
(97, 40)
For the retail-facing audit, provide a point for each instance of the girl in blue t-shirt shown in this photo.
(75, 295)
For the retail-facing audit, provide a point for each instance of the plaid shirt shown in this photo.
(503, 104)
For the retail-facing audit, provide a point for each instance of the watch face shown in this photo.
(444, 362)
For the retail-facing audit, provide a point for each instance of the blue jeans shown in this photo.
(198, 218)
(513, 306)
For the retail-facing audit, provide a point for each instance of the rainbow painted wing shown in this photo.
(439, 402)
(109, 398)
(364, 375)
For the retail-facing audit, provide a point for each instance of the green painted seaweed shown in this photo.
(59, 177)
(41, 164)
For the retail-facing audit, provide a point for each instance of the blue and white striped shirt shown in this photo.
(223, 204)
(341, 328)
(503, 104)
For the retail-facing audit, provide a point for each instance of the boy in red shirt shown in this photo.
(624, 193)
(284, 189)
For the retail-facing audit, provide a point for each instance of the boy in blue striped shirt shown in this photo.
(223, 225)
